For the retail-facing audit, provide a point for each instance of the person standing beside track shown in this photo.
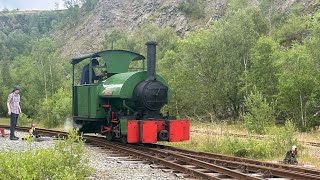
(13, 105)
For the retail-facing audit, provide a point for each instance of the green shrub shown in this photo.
(192, 8)
(259, 114)
(64, 161)
(250, 147)
(89, 5)
(280, 139)
(24, 120)
(237, 147)
(277, 141)
(55, 110)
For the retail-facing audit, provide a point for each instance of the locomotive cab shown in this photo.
(126, 105)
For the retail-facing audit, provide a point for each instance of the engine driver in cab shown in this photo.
(86, 71)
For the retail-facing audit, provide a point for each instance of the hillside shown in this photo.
(126, 15)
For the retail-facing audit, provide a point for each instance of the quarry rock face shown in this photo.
(128, 15)
(125, 15)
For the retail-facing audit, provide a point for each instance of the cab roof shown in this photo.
(130, 54)
(116, 61)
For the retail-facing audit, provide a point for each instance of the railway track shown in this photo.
(281, 170)
(315, 144)
(199, 165)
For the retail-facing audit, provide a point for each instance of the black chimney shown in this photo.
(151, 60)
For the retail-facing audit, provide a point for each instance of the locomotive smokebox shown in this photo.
(151, 94)
(151, 60)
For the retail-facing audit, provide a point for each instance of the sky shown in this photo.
(30, 4)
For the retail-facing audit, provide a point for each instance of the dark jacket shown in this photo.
(85, 75)
(291, 158)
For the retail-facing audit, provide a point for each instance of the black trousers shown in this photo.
(13, 123)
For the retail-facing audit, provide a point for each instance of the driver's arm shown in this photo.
(94, 77)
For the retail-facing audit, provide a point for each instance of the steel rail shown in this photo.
(245, 160)
(202, 163)
(235, 163)
(259, 168)
(152, 158)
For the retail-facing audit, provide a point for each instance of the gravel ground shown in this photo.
(115, 168)
(20, 145)
(106, 167)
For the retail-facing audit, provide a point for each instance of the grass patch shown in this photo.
(219, 138)
(4, 121)
(309, 156)
(233, 127)
(23, 120)
(231, 145)
(313, 136)
(65, 160)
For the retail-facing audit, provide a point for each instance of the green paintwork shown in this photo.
(118, 61)
(88, 99)
(82, 101)
(88, 102)
(123, 126)
(74, 101)
(116, 54)
(122, 85)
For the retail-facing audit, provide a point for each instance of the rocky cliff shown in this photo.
(128, 15)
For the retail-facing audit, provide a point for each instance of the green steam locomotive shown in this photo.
(125, 105)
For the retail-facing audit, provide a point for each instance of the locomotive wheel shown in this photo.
(109, 135)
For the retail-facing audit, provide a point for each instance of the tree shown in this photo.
(73, 11)
(89, 5)
(69, 4)
(192, 8)
(43, 72)
(111, 39)
(262, 73)
(295, 30)
(18, 43)
(269, 8)
(297, 83)
(258, 115)
(208, 64)
(5, 10)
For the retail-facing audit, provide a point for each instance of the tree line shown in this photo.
(254, 56)
(30, 57)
